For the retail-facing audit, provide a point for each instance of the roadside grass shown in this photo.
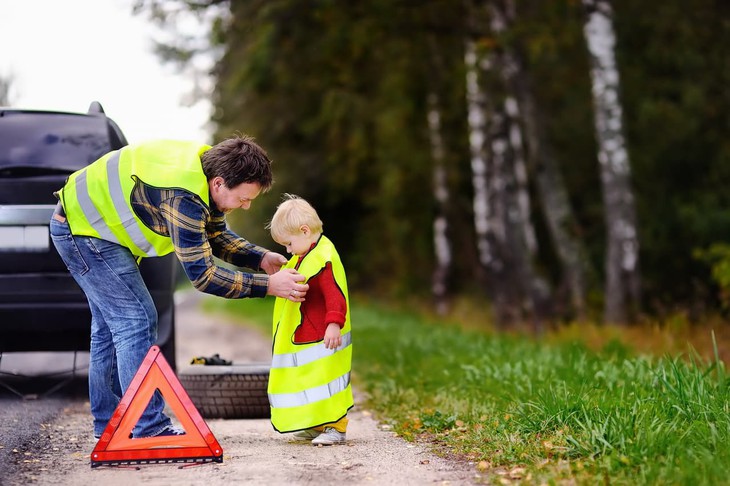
(548, 412)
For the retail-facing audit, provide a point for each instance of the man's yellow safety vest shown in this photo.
(97, 198)
(309, 385)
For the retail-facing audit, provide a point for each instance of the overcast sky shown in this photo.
(64, 54)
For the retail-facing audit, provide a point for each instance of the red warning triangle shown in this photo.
(116, 448)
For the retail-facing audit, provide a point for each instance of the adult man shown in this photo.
(148, 200)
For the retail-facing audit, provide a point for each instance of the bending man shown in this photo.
(149, 200)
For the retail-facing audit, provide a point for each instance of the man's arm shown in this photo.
(186, 221)
(230, 247)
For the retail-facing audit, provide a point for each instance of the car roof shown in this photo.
(58, 140)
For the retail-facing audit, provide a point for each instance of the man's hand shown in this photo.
(284, 283)
(272, 262)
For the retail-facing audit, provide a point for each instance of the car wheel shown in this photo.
(235, 391)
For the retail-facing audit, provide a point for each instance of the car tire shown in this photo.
(235, 391)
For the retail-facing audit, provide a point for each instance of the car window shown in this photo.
(57, 141)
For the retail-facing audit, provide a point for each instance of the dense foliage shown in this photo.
(337, 93)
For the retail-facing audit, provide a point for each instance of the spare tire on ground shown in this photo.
(236, 391)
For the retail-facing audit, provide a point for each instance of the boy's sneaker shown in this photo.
(307, 434)
(330, 436)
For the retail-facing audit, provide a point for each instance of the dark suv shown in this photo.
(41, 307)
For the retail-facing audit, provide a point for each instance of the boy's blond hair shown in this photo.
(290, 215)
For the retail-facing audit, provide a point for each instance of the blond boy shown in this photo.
(309, 385)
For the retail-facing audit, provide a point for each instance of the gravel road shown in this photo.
(253, 453)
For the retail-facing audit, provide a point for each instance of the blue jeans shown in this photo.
(123, 323)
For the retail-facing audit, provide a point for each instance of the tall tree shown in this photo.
(551, 189)
(525, 248)
(501, 201)
(442, 244)
(443, 253)
(622, 241)
(478, 114)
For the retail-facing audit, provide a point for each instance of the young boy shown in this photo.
(309, 383)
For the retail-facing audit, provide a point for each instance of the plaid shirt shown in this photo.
(199, 233)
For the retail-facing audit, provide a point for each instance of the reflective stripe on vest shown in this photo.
(310, 395)
(309, 385)
(89, 209)
(120, 205)
(97, 198)
(306, 356)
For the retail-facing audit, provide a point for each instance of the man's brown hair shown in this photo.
(238, 160)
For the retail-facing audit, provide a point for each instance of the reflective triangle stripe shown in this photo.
(306, 356)
(311, 395)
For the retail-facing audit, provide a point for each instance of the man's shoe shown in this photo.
(169, 431)
(307, 434)
(330, 436)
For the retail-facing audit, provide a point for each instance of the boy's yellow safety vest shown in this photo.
(97, 198)
(309, 385)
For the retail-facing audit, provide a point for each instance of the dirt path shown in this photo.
(253, 453)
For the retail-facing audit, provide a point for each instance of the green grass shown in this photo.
(536, 413)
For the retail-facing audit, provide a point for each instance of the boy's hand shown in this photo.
(332, 337)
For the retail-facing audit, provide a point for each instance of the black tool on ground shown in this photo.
(213, 360)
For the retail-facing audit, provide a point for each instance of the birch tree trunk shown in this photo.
(441, 232)
(441, 243)
(489, 201)
(536, 290)
(521, 283)
(477, 122)
(622, 242)
(551, 190)
(505, 235)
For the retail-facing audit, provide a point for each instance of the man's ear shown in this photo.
(306, 231)
(217, 182)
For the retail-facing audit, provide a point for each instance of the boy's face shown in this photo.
(300, 242)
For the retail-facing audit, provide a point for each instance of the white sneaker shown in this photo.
(307, 434)
(330, 436)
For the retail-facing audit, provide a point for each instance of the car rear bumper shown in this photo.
(58, 326)
(45, 327)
